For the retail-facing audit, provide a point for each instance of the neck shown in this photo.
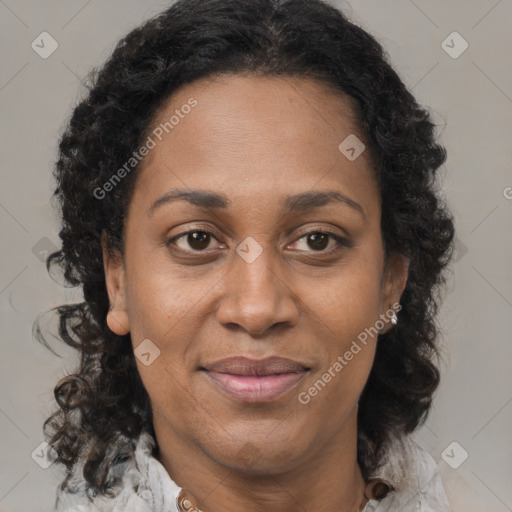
(327, 480)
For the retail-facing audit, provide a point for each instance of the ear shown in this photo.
(115, 280)
(394, 280)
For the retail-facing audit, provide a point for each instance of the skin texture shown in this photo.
(256, 140)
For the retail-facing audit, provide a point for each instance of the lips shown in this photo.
(246, 366)
(252, 380)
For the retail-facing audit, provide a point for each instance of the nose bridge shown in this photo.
(256, 297)
(257, 277)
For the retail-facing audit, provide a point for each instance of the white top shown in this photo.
(145, 486)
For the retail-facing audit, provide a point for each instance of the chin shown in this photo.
(261, 453)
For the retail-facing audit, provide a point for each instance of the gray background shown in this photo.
(471, 100)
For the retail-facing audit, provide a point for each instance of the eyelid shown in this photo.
(320, 229)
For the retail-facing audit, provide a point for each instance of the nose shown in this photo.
(257, 296)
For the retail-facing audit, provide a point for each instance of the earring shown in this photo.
(184, 504)
(394, 318)
(377, 489)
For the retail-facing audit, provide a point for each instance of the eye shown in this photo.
(196, 240)
(318, 241)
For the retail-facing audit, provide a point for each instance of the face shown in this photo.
(280, 256)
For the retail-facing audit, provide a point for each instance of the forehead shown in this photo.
(253, 133)
(228, 107)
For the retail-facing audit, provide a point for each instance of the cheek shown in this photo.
(160, 301)
(348, 317)
(168, 309)
(350, 302)
(347, 309)
(161, 313)
(158, 312)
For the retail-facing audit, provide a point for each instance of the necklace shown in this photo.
(376, 489)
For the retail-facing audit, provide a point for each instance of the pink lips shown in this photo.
(249, 380)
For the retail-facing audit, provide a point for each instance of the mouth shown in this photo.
(249, 380)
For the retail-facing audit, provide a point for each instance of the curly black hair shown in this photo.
(105, 398)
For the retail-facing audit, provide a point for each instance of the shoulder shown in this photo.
(128, 485)
(416, 479)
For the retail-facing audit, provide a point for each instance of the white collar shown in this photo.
(142, 484)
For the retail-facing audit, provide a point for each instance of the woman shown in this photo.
(250, 204)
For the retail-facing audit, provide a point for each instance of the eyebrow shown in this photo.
(293, 204)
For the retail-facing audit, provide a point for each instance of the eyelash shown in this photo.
(342, 242)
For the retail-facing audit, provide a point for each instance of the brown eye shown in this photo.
(318, 241)
(192, 241)
(198, 240)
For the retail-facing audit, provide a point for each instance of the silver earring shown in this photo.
(394, 318)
